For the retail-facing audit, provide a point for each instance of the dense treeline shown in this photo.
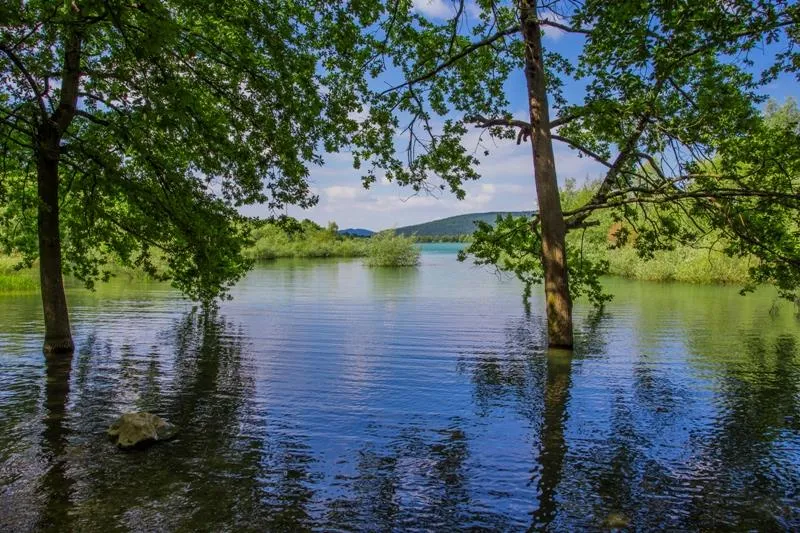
(288, 237)
(291, 238)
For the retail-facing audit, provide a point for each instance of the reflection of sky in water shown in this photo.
(327, 395)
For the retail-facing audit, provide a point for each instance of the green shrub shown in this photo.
(389, 250)
(291, 238)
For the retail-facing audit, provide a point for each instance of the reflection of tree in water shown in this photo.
(552, 444)
(418, 482)
(35, 484)
(393, 282)
(609, 480)
(233, 467)
(657, 467)
(538, 381)
(745, 473)
(221, 472)
(56, 484)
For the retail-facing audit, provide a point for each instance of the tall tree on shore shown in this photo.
(668, 107)
(132, 131)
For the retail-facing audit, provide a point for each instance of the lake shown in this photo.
(330, 396)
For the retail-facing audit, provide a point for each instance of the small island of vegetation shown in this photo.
(288, 237)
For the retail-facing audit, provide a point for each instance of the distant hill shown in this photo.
(357, 232)
(457, 225)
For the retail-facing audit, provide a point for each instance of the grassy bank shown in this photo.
(306, 239)
(683, 264)
(699, 262)
(271, 241)
(23, 280)
(13, 279)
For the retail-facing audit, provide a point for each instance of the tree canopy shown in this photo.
(169, 115)
(668, 104)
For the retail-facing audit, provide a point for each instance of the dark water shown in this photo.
(329, 396)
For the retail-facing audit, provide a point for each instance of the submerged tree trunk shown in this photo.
(57, 337)
(553, 227)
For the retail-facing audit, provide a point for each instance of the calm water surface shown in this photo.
(334, 397)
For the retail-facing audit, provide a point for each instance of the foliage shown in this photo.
(169, 117)
(608, 246)
(668, 107)
(685, 263)
(287, 237)
(16, 277)
(513, 245)
(388, 249)
(290, 238)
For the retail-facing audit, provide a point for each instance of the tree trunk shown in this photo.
(553, 227)
(57, 337)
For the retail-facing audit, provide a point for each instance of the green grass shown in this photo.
(306, 239)
(16, 280)
(683, 264)
(13, 279)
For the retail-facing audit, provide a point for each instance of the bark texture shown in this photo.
(553, 226)
(57, 336)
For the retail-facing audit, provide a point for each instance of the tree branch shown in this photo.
(482, 122)
(70, 81)
(560, 121)
(581, 148)
(453, 59)
(683, 195)
(92, 118)
(28, 78)
(563, 27)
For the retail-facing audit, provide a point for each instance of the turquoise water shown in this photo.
(331, 396)
(448, 248)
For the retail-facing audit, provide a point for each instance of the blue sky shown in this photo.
(507, 180)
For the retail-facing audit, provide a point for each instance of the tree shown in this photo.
(132, 131)
(668, 108)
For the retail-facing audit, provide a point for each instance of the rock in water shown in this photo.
(136, 429)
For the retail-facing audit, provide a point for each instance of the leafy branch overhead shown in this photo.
(168, 117)
(668, 106)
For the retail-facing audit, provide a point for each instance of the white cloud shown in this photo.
(342, 192)
(437, 9)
